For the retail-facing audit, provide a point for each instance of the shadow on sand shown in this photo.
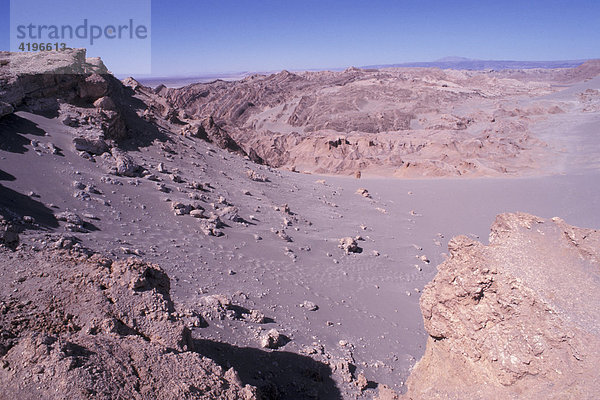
(277, 374)
(23, 205)
(12, 129)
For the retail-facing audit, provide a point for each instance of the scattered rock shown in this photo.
(230, 213)
(361, 382)
(255, 176)
(283, 235)
(9, 233)
(197, 213)
(309, 305)
(70, 120)
(181, 208)
(349, 245)
(363, 192)
(273, 339)
(70, 217)
(161, 168)
(257, 317)
(210, 227)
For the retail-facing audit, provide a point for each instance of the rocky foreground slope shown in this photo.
(78, 325)
(518, 318)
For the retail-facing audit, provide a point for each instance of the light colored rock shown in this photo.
(273, 339)
(309, 305)
(92, 146)
(105, 103)
(257, 317)
(133, 346)
(363, 192)
(197, 213)
(361, 382)
(70, 217)
(255, 176)
(349, 245)
(506, 320)
(385, 393)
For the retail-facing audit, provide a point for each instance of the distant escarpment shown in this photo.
(518, 318)
(396, 121)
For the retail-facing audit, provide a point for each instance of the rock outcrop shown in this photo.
(518, 318)
(25, 78)
(81, 90)
(75, 325)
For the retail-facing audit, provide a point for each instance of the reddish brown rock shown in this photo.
(83, 327)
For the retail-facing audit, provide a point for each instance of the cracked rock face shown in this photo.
(516, 318)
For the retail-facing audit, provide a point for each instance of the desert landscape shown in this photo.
(371, 233)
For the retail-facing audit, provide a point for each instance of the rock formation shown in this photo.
(77, 325)
(404, 122)
(517, 318)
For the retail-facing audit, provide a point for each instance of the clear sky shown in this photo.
(216, 36)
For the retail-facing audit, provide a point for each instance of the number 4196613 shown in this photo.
(42, 46)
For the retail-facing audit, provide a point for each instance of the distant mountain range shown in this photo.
(179, 81)
(477, 65)
(443, 63)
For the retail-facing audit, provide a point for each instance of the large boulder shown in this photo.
(105, 103)
(124, 164)
(518, 318)
(90, 145)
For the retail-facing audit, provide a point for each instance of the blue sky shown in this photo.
(215, 36)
